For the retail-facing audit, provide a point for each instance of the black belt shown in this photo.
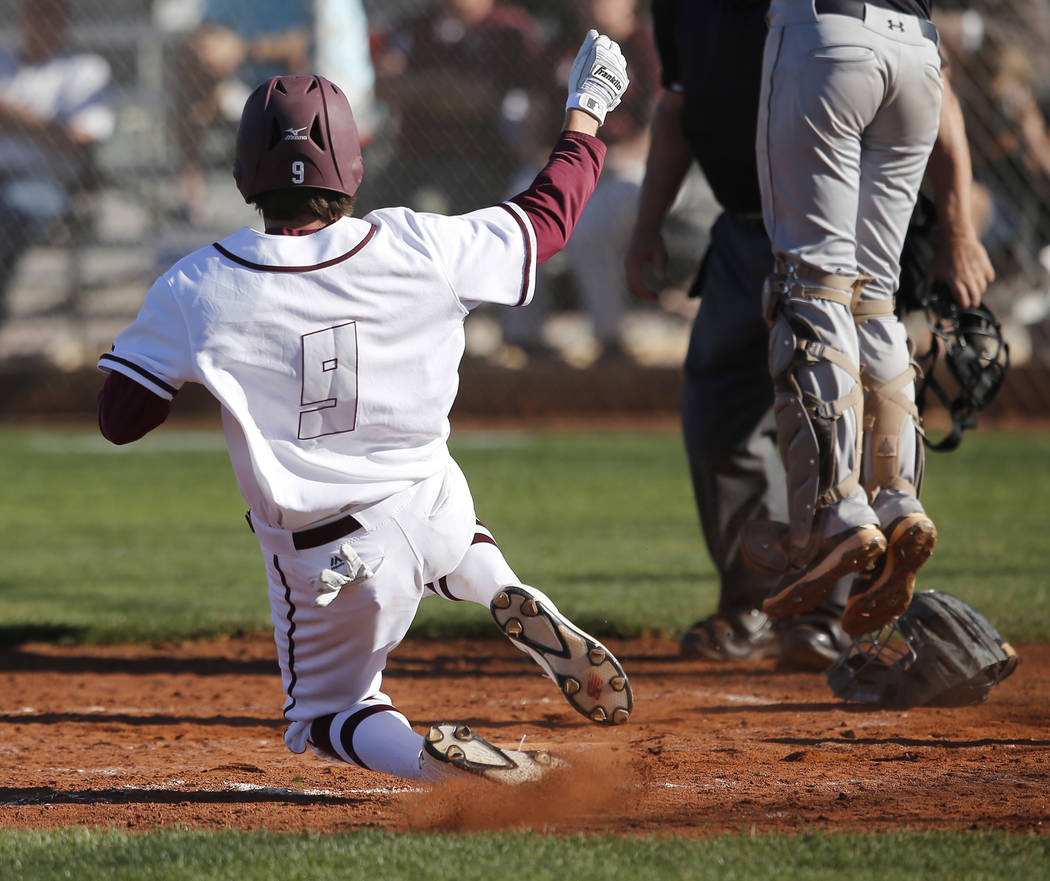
(750, 219)
(855, 9)
(316, 536)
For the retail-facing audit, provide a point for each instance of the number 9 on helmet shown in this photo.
(297, 131)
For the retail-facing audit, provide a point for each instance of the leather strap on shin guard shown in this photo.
(793, 279)
(865, 310)
(886, 409)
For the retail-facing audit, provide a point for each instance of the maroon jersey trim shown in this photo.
(527, 270)
(266, 268)
(156, 380)
(293, 676)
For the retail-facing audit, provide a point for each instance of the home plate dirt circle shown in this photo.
(190, 735)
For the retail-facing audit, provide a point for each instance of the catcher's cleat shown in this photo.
(883, 592)
(451, 748)
(585, 671)
(742, 635)
(838, 555)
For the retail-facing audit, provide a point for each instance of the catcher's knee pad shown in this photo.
(794, 280)
(887, 407)
(807, 425)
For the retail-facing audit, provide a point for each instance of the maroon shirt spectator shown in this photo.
(594, 255)
(460, 80)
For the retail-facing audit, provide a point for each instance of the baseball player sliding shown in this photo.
(333, 345)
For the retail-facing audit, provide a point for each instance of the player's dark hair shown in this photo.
(304, 203)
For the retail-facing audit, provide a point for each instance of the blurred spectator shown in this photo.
(594, 254)
(238, 44)
(55, 107)
(964, 26)
(343, 54)
(1001, 71)
(460, 81)
(1011, 149)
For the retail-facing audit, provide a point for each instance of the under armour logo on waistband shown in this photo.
(897, 25)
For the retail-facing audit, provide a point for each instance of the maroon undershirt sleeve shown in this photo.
(556, 197)
(127, 410)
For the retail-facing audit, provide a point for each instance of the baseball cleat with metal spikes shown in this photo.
(883, 591)
(586, 672)
(804, 589)
(451, 749)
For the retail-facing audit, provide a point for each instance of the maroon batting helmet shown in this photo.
(297, 131)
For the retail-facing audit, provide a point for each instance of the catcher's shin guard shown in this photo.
(807, 424)
(887, 407)
(809, 432)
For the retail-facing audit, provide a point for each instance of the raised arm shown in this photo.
(556, 197)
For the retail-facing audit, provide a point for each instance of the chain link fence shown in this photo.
(999, 65)
(118, 116)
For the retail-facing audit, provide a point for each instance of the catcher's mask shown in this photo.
(297, 131)
(969, 343)
(968, 358)
(939, 653)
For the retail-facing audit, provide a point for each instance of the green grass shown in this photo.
(149, 542)
(519, 856)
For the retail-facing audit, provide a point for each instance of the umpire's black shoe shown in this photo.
(810, 643)
(743, 635)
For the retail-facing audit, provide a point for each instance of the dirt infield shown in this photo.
(190, 735)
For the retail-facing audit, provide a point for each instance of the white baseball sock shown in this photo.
(479, 575)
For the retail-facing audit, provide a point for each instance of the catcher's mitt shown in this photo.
(939, 653)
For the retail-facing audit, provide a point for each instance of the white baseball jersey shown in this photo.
(334, 355)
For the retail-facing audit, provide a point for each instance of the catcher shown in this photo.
(333, 345)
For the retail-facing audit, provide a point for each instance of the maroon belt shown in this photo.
(316, 536)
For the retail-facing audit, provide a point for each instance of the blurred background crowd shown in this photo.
(117, 120)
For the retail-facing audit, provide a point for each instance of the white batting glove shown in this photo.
(599, 76)
(330, 582)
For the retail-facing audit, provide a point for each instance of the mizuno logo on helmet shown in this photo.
(606, 74)
(296, 134)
